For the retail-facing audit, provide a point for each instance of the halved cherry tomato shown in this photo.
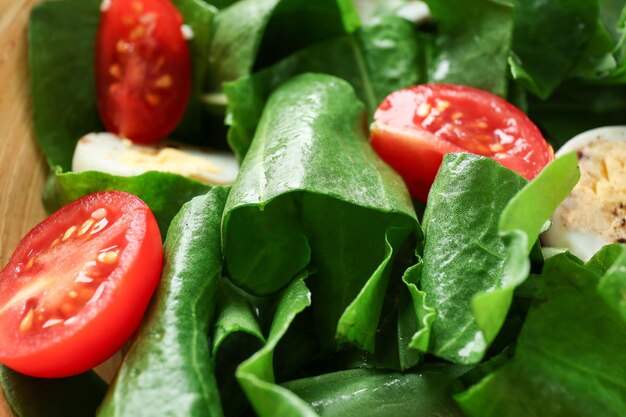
(77, 285)
(143, 69)
(413, 128)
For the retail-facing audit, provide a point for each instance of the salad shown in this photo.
(321, 282)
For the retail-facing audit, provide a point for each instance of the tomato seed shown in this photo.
(84, 228)
(54, 243)
(69, 232)
(99, 213)
(137, 33)
(27, 321)
(457, 115)
(153, 99)
(115, 71)
(29, 264)
(164, 81)
(442, 105)
(423, 110)
(108, 258)
(496, 147)
(52, 322)
(72, 293)
(100, 225)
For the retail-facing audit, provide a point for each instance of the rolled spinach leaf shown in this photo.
(256, 375)
(28, 396)
(481, 223)
(473, 43)
(172, 343)
(313, 192)
(252, 34)
(381, 57)
(375, 393)
(561, 356)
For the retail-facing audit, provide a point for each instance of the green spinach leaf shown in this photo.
(163, 192)
(381, 57)
(558, 29)
(472, 43)
(375, 393)
(480, 227)
(253, 34)
(28, 396)
(256, 375)
(561, 356)
(172, 343)
(307, 186)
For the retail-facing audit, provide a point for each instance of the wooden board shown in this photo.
(22, 166)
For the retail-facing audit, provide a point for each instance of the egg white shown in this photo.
(108, 153)
(583, 240)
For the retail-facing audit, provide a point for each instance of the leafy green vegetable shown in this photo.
(463, 252)
(577, 107)
(562, 28)
(172, 343)
(473, 42)
(479, 231)
(28, 396)
(368, 392)
(379, 58)
(612, 286)
(237, 336)
(253, 34)
(63, 87)
(561, 365)
(256, 375)
(164, 193)
(306, 188)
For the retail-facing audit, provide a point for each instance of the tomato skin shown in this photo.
(415, 127)
(143, 69)
(102, 325)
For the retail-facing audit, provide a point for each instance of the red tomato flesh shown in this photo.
(413, 128)
(76, 287)
(143, 69)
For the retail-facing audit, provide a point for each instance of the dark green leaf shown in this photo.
(164, 193)
(549, 38)
(256, 375)
(28, 396)
(577, 107)
(365, 392)
(168, 369)
(378, 59)
(63, 87)
(253, 34)
(473, 43)
(561, 366)
(237, 336)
